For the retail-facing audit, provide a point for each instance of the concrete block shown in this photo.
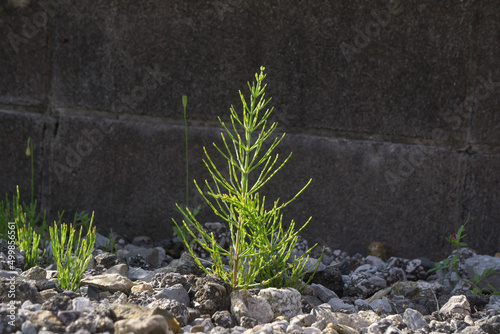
(15, 169)
(137, 58)
(23, 52)
(130, 173)
(405, 77)
(399, 82)
(404, 196)
(481, 200)
(485, 129)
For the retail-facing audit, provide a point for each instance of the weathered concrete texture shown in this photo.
(481, 196)
(130, 173)
(15, 169)
(23, 52)
(141, 57)
(404, 77)
(486, 116)
(403, 196)
(391, 107)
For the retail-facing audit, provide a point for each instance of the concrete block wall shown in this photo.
(392, 107)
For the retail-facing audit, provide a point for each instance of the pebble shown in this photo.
(350, 295)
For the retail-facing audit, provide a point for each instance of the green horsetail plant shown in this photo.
(261, 249)
(71, 253)
(27, 238)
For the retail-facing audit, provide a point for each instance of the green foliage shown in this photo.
(27, 238)
(456, 240)
(25, 216)
(260, 251)
(31, 229)
(72, 254)
(110, 246)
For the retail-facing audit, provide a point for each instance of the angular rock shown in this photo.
(456, 305)
(166, 279)
(420, 296)
(381, 306)
(20, 289)
(49, 293)
(205, 323)
(364, 283)
(141, 288)
(414, 319)
(109, 282)
(324, 294)
(155, 324)
(57, 303)
(175, 292)
(128, 311)
(172, 322)
(44, 318)
(490, 325)
(476, 265)
(105, 259)
(284, 301)
(150, 255)
(245, 305)
(223, 319)
(81, 304)
(414, 269)
(338, 304)
(331, 278)
(185, 265)
(120, 269)
(303, 320)
(35, 273)
(136, 274)
(68, 317)
(178, 310)
(212, 295)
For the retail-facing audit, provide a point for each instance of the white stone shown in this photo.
(81, 303)
(109, 282)
(456, 305)
(285, 301)
(152, 324)
(245, 304)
